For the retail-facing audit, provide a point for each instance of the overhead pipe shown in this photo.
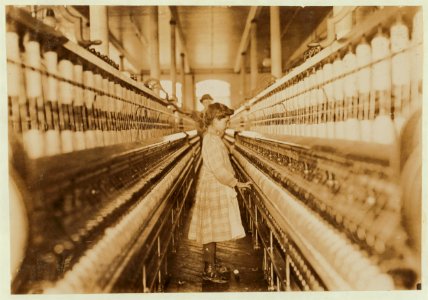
(77, 22)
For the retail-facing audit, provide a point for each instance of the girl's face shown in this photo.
(220, 125)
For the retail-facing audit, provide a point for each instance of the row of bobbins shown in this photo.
(59, 104)
(367, 95)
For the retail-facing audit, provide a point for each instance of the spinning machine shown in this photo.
(101, 168)
(329, 148)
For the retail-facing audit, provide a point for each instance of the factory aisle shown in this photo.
(187, 265)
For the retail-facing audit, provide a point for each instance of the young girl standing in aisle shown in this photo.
(216, 216)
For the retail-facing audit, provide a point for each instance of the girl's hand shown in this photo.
(243, 185)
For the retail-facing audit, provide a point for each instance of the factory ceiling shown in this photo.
(211, 36)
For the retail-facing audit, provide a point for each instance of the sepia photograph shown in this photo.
(218, 147)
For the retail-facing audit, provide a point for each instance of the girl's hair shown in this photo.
(216, 111)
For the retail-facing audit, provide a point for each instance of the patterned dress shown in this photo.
(216, 215)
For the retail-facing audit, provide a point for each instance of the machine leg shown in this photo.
(256, 238)
(287, 273)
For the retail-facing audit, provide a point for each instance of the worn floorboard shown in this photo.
(186, 266)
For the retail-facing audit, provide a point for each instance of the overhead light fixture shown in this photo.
(266, 62)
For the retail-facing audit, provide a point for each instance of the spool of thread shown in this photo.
(289, 108)
(383, 127)
(364, 58)
(88, 99)
(314, 104)
(112, 112)
(339, 125)
(328, 89)
(52, 135)
(286, 114)
(132, 108)
(400, 72)
(152, 116)
(306, 120)
(128, 115)
(124, 113)
(33, 138)
(293, 108)
(304, 107)
(146, 114)
(381, 66)
(14, 77)
(296, 112)
(33, 77)
(284, 103)
(118, 110)
(284, 126)
(99, 118)
(277, 111)
(138, 116)
(143, 103)
(13, 69)
(66, 94)
(352, 126)
(322, 105)
(78, 135)
(271, 127)
(168, 120)
(51, 87)
(266, 126)
(299, 107)
(105, 99)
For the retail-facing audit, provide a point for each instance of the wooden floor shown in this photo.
(186, 266)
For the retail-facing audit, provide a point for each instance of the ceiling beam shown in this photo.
(290, 21)
(245, 39)
(138, 32)
(175, 18)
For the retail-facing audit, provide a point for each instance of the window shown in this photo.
(218, 89)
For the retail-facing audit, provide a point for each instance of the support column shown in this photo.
(242, 77)
(173, 70)
(254, 62)
(275, 42)
(98, 18)
(190, 87)
(183, 83)
(193, 106)
(154, 43)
